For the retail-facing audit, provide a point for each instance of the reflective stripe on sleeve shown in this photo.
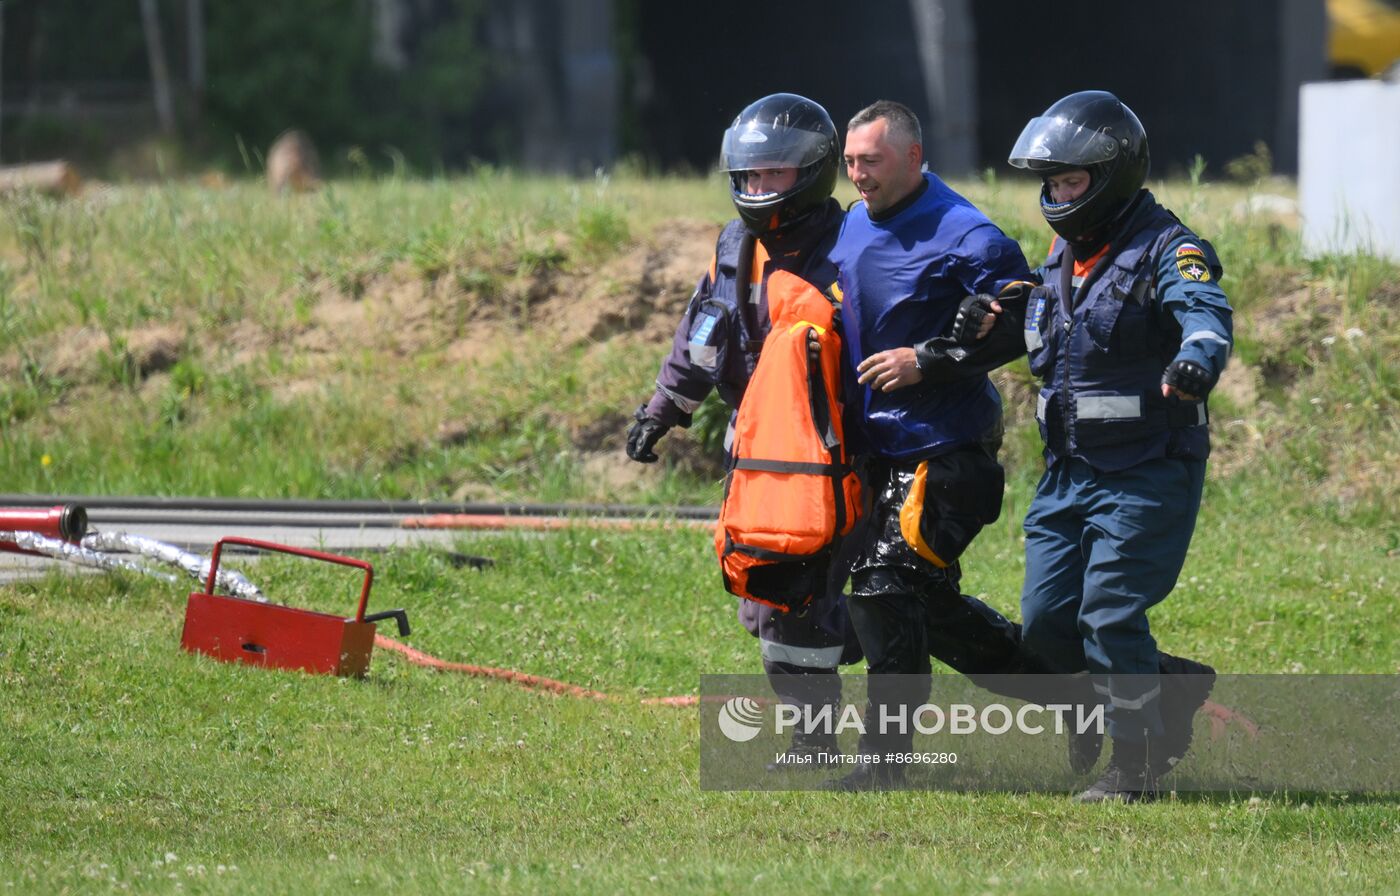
(687, 405)
(1040, 406)
(703, 355)
(806, 657)
(1205, 336)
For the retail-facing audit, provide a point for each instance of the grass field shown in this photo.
(126, 764)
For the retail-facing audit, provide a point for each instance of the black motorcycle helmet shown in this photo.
(1095, 131)
(780, 131)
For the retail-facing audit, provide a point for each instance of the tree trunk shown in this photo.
(2, 80)
(160, 71)
(194, 36)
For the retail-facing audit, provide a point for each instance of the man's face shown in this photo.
(769, 180)
(1068, 186)
(883, 171)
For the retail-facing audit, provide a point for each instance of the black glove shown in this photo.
(971, 313)
(643, 436)
(1189, 378)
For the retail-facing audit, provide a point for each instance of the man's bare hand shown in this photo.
(989, 321)
(889, 370)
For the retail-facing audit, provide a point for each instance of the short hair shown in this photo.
(903, 123)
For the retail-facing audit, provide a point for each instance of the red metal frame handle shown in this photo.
(299, 552)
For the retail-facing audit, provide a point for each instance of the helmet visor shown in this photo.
(754, 144)
(1060, 141)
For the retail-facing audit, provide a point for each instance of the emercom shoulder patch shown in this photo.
(1191, 263)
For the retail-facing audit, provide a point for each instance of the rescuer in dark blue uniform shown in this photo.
(1129, 333)
(781, 155)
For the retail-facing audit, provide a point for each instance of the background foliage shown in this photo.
(270, 66)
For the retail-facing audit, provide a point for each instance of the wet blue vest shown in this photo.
(902, 280)
(1102, 356)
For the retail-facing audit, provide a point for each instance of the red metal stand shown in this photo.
(260, 634)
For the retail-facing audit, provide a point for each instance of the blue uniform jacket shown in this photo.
(717, 343)
(1101, 346)
(901, 281)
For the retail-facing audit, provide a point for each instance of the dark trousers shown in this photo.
(1101, 550)
(906, 609)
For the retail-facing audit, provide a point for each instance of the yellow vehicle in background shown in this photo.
(1363, 38)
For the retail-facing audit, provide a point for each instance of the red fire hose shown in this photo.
(66, 522)
(69, 523)
(523, 679)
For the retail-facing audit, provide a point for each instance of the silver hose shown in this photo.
(197, 567)
(82, 556)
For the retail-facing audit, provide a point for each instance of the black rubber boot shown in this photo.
(1127, 779)
(1085, 748)
(1186, 685)
(1181, 698)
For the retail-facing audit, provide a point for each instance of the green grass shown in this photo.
(238, 276)
(121, 751)
(323, 344)
(124, 762)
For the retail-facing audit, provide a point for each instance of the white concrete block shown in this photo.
(1349, 167)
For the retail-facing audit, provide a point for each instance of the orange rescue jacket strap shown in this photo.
(790, 466)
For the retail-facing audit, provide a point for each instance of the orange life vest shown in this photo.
(790, 495)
